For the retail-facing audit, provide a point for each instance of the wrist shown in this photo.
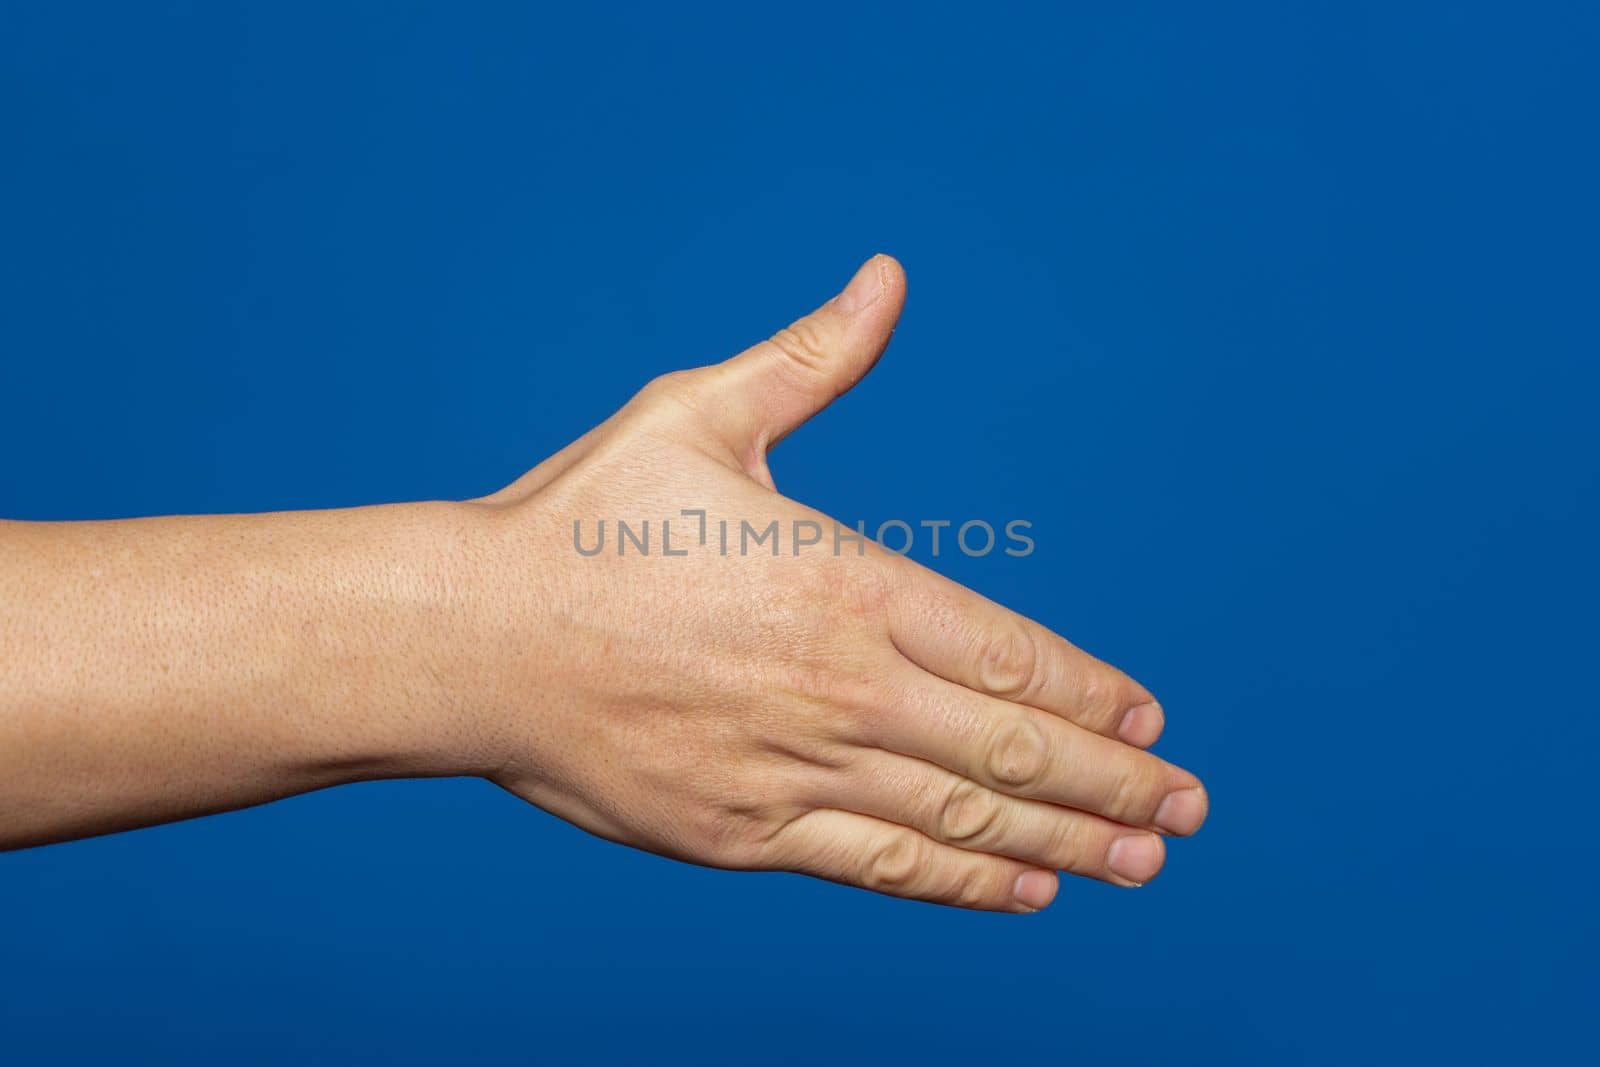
(360, 627)
(423, 659)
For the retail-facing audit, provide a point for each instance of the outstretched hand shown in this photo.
(811, 705)
(845, 713)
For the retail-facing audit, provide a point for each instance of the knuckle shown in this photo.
(742, 853)
(804, 344)
(893, 865)
(854, 587)
(832, 680)
(1009, 661)
(677, 390)
(848, 702)
(1098, 694)
(968, 813)
(1103, 697)
(864, 590)
(725, 837)
(815, 680)
(671, 384)
(820, 754)
(1134, 795)
(753, 835)
(1066, 844)
(1017, 755)
(969, 889)
(776, 849)
(857, 718)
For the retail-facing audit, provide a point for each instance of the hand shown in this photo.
(853, 717)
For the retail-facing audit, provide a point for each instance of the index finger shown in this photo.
(963, 637)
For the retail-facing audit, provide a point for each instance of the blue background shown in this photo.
(1278, 321)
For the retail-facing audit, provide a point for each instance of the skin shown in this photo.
(853, 717)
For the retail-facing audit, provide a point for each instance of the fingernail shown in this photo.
(1136, 857)
(1182, 812)
(1142, 725)
(864, 289)
(1035, 889)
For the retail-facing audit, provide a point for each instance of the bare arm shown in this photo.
(160, 668)
(846, 715)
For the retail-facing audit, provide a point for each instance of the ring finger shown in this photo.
(958, 811)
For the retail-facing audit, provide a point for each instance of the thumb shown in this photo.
(772, 388)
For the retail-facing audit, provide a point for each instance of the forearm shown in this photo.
(155, 669)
